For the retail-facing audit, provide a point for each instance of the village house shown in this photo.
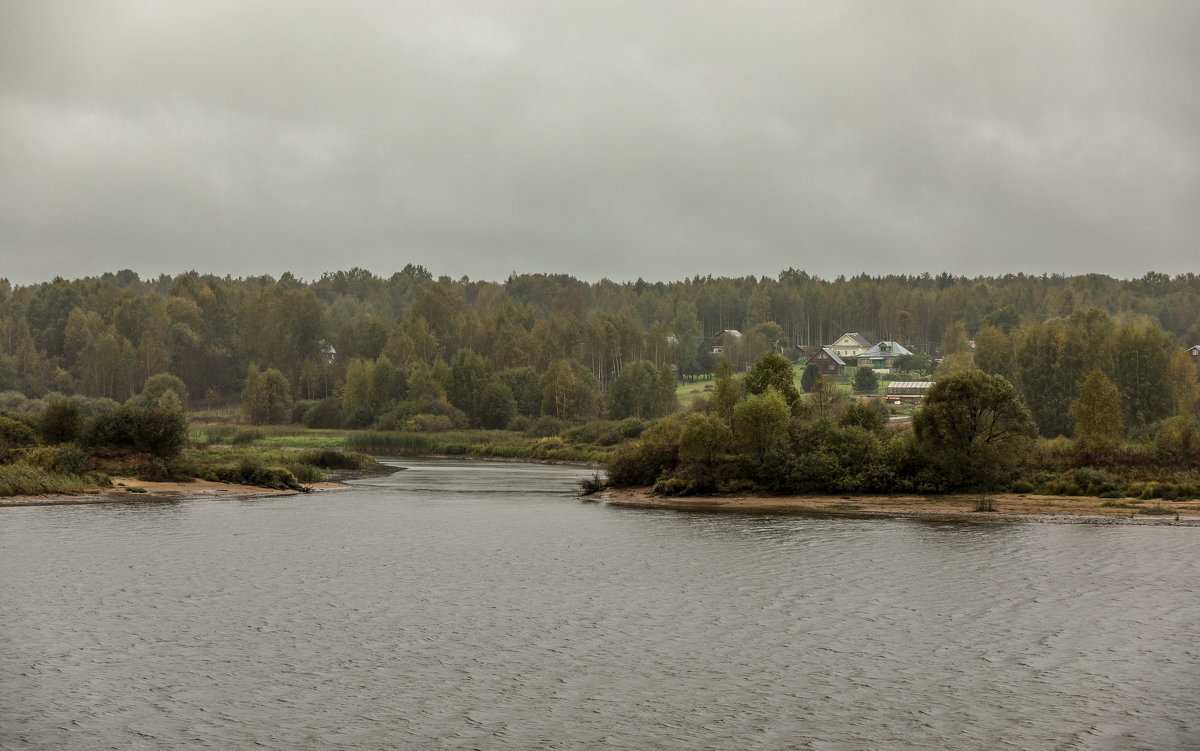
(327, 351)
(726, 339)
(827, 361)
(850, 346)
(882, 356)
(1194, 352)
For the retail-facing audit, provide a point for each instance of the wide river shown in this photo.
(468, 605)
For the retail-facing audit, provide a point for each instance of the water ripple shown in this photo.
(428, 611)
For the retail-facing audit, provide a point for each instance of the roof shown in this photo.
(857, 337)
(830, 353)
(1194, 350)
(884, 349)
(900, 388)
(732, 332)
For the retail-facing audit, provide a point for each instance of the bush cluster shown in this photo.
(153, 430)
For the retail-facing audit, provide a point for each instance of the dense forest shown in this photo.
(352, 349)
(548, 366)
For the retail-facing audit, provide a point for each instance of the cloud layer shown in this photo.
(617, 139)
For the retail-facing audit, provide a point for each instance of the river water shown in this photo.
(465, 605)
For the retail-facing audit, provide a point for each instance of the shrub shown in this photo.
(599, 432)
(871, 416)
(326, 413)
(593, 484)
(631, 427)
(1021, 485)
(219, 433)
(1181, 492)
(642, 461)
(738, 485)
(246, 436)
(15, 433)
(300, 408)
(429, 423)
(333, 459)
(250, 471)
(168, 470)
(305, 472)
(60, 422)
(157, 431)
(63, 460)
(671, 486)
(545, 426)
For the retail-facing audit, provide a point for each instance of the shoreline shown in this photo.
(1009, 507)
(492, 458)
(159, 492)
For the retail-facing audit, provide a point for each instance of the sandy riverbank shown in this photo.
(1009, 507)
(123, 491)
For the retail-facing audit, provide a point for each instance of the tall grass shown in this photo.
(20, 478)
(272, 468)
(474, 443)
(282, 436)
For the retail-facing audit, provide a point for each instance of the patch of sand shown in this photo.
(123, 491)
(1009, 507)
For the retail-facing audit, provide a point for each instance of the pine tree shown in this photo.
(865, 381)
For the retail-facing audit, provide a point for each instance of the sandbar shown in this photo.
(952, 508)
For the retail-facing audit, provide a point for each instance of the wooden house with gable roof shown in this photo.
(827, 361)
(882, 356)
(850, 345)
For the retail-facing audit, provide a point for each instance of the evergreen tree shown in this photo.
(812, 373)
(865, 381)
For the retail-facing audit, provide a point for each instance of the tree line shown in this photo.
(409, 350)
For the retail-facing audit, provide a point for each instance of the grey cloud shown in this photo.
(618, 139)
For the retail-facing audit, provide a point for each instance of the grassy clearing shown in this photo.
(268, 467)
(224, 444)
(313, 439)
(498, 443)
(688, 391)
(289, 436)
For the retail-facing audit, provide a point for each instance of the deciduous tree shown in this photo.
(266, 396)
(773, 370)
(974, 429)
(760, 424)
(1097, 414)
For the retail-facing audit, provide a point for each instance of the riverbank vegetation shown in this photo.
(52, 447)
(973, 433)
(701, 385)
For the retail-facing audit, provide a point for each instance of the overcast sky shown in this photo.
(601, 139)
